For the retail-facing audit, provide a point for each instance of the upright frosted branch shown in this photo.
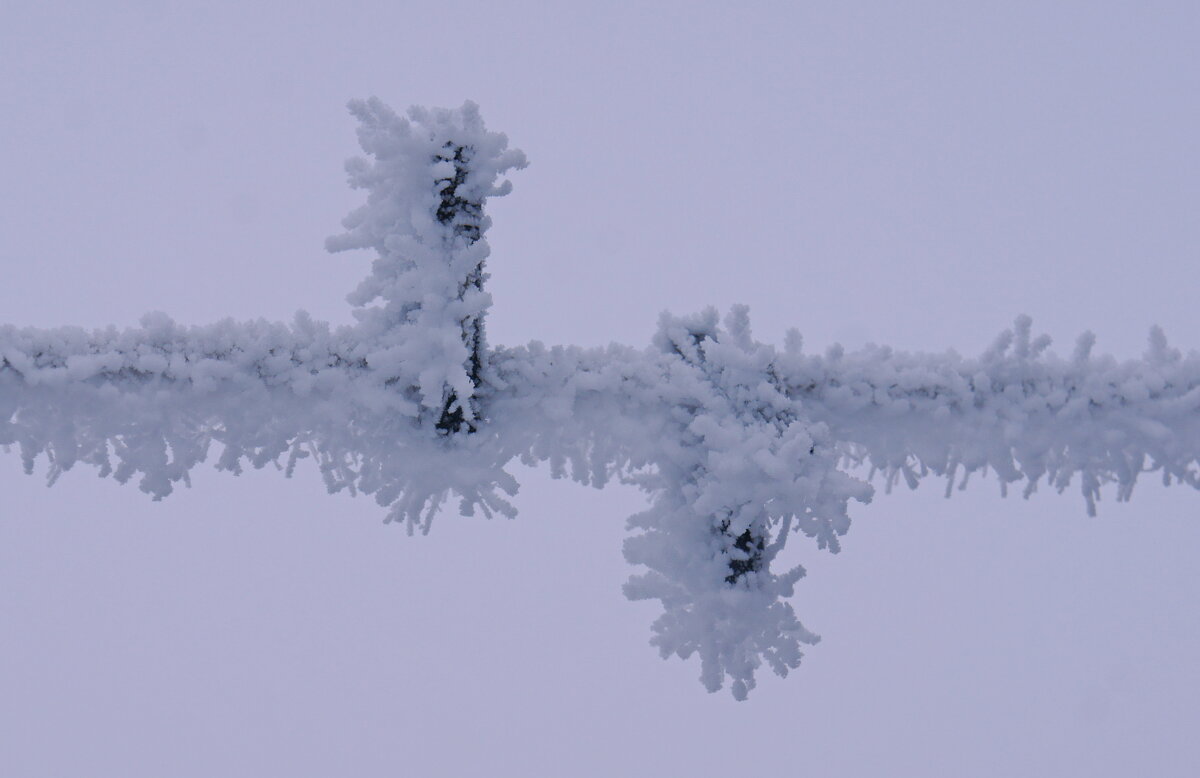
(427, 178)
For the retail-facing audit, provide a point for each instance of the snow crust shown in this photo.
(739, 446)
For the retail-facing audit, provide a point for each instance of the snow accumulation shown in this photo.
(738, 445)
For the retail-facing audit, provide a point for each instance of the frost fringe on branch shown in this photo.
(738, 446)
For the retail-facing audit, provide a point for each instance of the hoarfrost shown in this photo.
(738, 446)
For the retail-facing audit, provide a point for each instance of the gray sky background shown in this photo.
(915, 174)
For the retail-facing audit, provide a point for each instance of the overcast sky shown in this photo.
(914, 174)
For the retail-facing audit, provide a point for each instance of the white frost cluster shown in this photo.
(738, 445)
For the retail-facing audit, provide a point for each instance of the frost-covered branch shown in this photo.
(740, 445)
(150, 402)
(737, 445)
(1018, 410)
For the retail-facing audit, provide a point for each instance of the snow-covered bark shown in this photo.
(738, 446)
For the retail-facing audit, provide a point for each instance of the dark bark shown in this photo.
(465, 218)
(749, 543)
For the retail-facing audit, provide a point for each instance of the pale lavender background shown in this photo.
(915, 174)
